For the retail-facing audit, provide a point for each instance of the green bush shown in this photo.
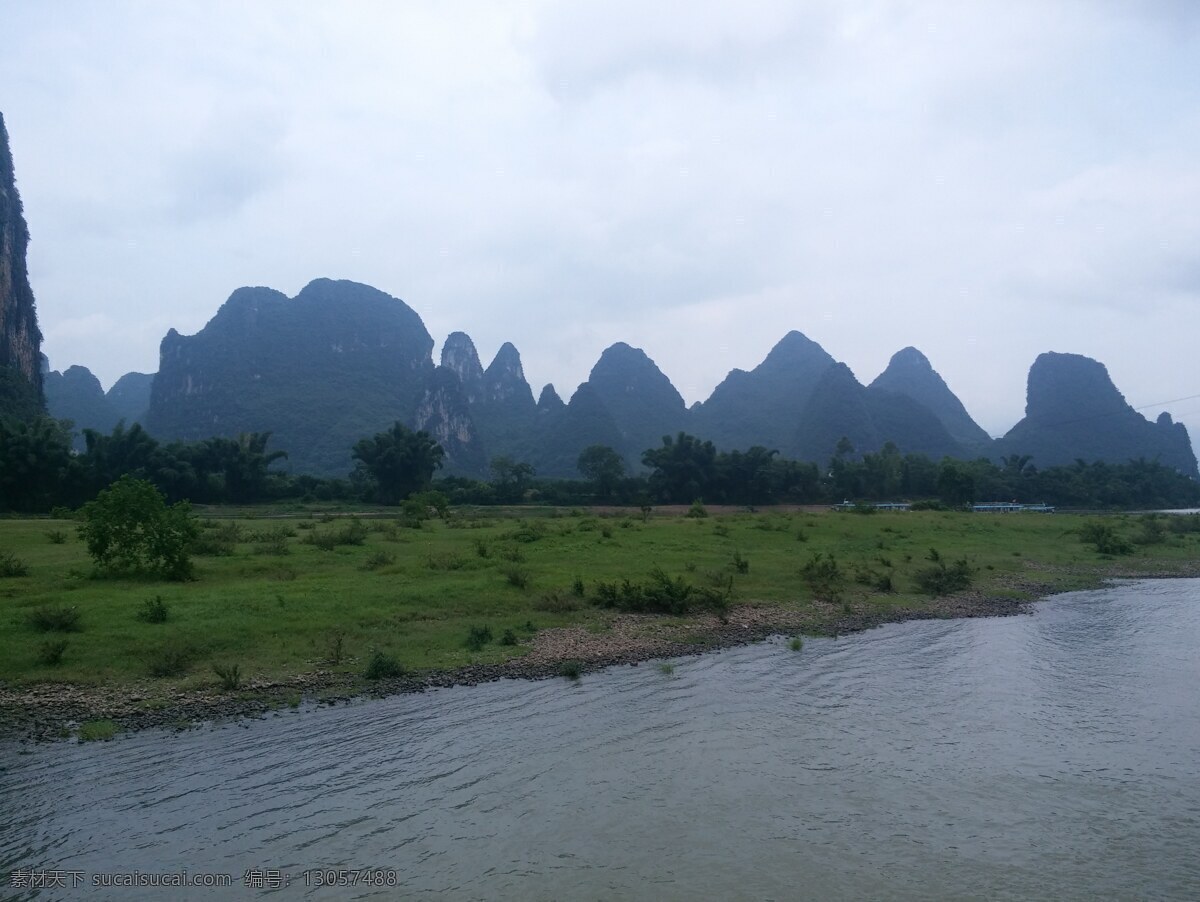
(740, 564)
(378, 561)
(572, 670)
(383, 667)
(528, 531)
(509, 638)
(50, 653)
(129, 528)
(153, 610)
(941, 579)
(1152, 532)
(662, 594)
(58, 619)
(518, 576)
(229, 675)
(556, 603)
(172, 659)
(1105, 538)
(57, 536)
(446, 560)
(206, 545)
(478, 637)
(824, 577)
(697, 510)
(10, 565)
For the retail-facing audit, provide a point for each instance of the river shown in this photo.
(1049, 756)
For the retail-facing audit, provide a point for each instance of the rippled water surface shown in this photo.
(1050, 756)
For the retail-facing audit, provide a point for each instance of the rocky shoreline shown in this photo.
(49, 712)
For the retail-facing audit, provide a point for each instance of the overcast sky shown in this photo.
(983, 180)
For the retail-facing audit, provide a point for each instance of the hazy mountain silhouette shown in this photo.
(1073, 410)
(909, 373)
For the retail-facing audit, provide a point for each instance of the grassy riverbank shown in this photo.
(281, 597)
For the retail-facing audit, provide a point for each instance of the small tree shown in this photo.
(400, 460)
(602, 467)
(128, 528)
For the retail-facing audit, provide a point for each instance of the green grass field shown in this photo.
(279, 604)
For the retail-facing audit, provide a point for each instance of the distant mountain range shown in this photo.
(341, 361)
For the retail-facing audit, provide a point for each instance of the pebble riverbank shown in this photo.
(52, 711)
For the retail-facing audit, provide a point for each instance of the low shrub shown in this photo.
(378, 561)
(352, 532)
(825, 578)
(941, 579)
(513, 554)
(509, 638)
(10, 565)
(740, 564)
(446, 560)
(572, 670)
(57, 619)
(209, 544)
(556, 603)
(578, 588)
(50, 653)
(528, 531)
(1152, 531)
(171, 660)
(697, 510)
(57, 536)
(518, 576)
(335, 647)
(478, 637)
(382, 667)
(662, 594)
(482, 548)
(796, 644)
(230, 676)
(1105, 538)
(153, 610)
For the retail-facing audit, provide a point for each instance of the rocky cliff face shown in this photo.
(460, 358)
(20, 339)
(444, 411)
(1073, 410)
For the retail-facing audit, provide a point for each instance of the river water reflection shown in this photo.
(1052, 756)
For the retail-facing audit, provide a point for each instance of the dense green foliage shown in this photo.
(400, 462)
(128, 528)
(603, 468)
(38, 471)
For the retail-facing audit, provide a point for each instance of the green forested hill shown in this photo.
(338, 362)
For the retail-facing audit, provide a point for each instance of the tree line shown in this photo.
(39, 471)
